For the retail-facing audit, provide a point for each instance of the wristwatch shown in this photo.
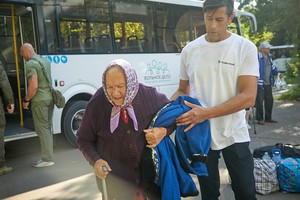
(25, 101)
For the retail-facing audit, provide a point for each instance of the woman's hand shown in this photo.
(98, 169)
(154, 136)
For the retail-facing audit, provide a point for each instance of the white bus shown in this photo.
(80, 37)
(282, 56)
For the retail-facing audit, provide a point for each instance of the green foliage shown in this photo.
(293, 71)
(292, 94)
(292, 77)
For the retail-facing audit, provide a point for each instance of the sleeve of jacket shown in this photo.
(274, 69)
(5, 86)
(260, 82)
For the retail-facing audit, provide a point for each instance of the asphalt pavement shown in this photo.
(83, 186)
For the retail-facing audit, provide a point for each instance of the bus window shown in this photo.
(189, 27)
(133, 23)
(281, 51)
(50, 26)
(82, 26)
(6, 38)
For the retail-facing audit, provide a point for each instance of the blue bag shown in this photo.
(288, 173)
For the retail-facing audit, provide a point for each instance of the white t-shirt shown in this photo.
(212, 70)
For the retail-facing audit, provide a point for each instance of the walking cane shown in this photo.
(104, 184)
(254, 127)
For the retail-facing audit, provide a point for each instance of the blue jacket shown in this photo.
(274, 71)
(174, 168)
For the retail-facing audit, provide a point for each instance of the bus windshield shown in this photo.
(282, 55)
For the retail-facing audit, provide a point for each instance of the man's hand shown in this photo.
(196, 115)
(98, 169)
(10, 108)
(154, 136)
(25, 105)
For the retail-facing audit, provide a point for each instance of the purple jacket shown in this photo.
(121, 149)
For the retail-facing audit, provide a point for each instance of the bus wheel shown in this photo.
(71, 120)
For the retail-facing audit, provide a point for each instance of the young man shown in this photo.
(39, 93)
(221, 70)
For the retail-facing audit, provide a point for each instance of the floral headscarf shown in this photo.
(132, 89)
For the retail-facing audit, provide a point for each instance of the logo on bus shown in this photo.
(57, 59)
(157, 72)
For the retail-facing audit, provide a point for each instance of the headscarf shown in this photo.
(132, 89)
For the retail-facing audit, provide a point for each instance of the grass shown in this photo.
(293, 94)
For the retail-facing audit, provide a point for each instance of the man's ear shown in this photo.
(231, 18)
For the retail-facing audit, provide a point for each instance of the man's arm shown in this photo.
(31, 90)
(183, 89)
(7, 90)
(245, 98)
(32, 87)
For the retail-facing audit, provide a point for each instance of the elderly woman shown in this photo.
(114, 129)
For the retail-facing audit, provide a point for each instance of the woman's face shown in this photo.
(116, 85)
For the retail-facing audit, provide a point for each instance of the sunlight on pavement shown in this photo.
(285, 105)
(83, 187)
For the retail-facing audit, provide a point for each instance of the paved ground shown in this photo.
(287, 130)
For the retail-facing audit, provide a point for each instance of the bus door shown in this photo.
(16, 27)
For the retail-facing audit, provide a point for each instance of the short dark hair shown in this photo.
(211, 5)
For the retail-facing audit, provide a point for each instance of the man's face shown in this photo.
(265, 50)
(216, 23)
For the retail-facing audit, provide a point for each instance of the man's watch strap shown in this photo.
(25, 101)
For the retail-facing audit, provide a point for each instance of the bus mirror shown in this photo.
(252, 20)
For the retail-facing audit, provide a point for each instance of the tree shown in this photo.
(278, 23)
(278, 17)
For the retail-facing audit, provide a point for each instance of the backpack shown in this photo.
(265, 176)
(288, 173)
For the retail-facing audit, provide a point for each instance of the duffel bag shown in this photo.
(288, 173)
(265, 176)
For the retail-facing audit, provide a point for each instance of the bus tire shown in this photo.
(71, 120)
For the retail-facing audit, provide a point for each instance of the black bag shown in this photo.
(287, 150)
(58, 98)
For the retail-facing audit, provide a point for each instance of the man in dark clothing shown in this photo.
(8, 94)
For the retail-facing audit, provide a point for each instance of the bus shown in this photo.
(80, 37)
(282, 56)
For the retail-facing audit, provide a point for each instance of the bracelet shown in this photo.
(25, 101)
